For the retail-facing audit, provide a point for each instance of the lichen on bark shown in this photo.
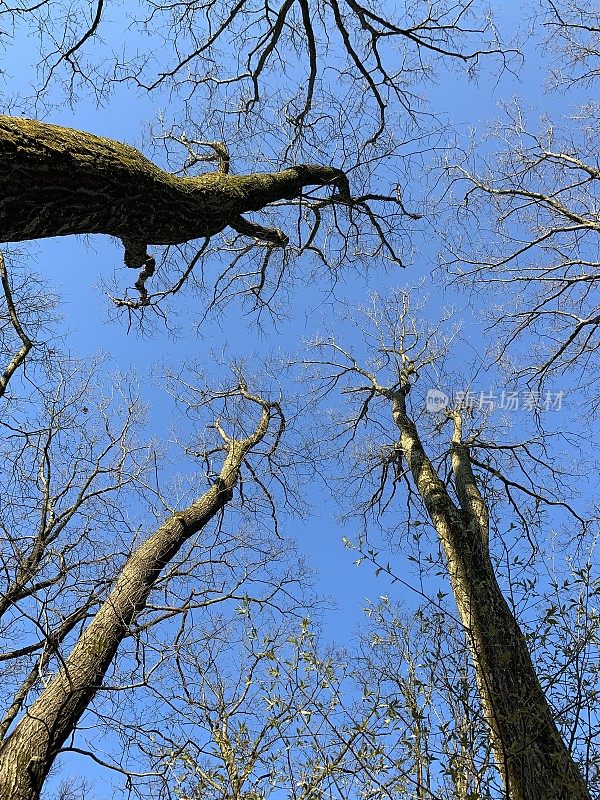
(57, 181)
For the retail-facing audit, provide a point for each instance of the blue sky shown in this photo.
(76, 268)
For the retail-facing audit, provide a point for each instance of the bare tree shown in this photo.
(420, 663)
(540, 198)
(70, 599)
(573, 30)
(264, 709)
(306, 47)
(530, 753)
(265, 713)
(99, 624)
(526, 203)
(311, 84)
(74, 789)
(96, 185)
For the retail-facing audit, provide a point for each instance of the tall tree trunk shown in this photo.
(57, 181)
(29, 752)
(531, 755)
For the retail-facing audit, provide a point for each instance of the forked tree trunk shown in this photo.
(530, 753)
(57, 181)
(28, 753)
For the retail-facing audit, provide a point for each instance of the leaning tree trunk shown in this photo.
(29, 752)
(531, 755)
(57, 181)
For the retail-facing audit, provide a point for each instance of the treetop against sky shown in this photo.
(217, 388)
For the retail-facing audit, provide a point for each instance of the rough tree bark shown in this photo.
(28, 753)
(56, 181)
(531, 755)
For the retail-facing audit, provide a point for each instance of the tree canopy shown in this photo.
(275, 403)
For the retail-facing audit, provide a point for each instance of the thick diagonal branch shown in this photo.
(28, 753)
(57, 181)
(26, 344)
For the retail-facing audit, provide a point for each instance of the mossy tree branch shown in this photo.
(57, 181)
